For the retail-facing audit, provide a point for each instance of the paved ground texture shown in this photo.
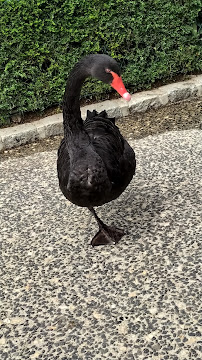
(62, 299)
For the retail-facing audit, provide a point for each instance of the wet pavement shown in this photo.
(62, 299)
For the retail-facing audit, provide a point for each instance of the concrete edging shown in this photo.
(140, 102)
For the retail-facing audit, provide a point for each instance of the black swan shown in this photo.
(95, 163)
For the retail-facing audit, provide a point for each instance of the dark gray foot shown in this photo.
(107, 235)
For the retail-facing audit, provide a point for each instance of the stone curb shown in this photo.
(140, 102)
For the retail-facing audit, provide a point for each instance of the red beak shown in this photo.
(118, 85)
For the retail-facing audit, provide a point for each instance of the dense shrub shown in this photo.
(41, 40)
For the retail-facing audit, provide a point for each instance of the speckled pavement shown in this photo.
(62, 299)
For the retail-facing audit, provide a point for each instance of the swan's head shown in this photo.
(106, 69)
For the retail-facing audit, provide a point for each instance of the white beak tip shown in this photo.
(126, 96)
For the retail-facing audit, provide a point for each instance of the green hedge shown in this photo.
(41, 40)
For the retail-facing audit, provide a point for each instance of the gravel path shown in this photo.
(62, 299)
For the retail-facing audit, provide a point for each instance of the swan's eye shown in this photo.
(108, 70)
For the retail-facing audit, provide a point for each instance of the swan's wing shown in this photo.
(92, 115)
(109, 144)
(103, 132)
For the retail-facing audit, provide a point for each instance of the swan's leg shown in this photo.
(106, 234)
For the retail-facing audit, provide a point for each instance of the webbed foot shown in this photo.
(107, 235)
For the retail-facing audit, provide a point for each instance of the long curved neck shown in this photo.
(71, 106)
